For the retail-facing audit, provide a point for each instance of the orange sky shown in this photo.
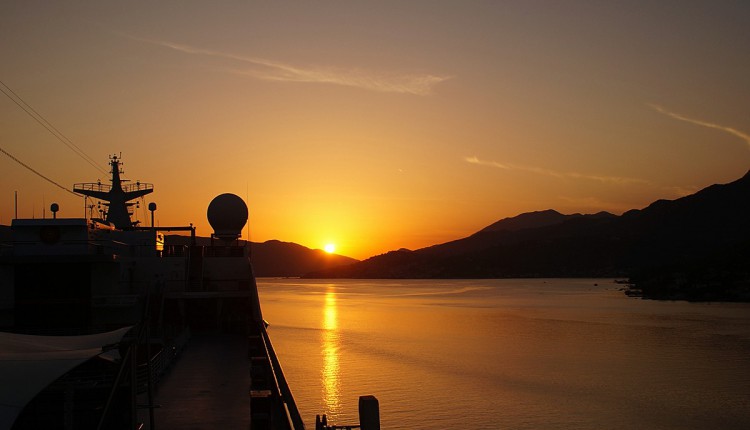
(376, 125)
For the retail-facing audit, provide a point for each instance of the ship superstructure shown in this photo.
(84, 276)
(117, 197)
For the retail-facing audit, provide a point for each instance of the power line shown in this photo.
(47, 125)
(35, 172)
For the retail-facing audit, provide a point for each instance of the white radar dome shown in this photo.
(227, 214)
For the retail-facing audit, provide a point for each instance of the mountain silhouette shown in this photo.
(710, 225)
(537, 219)
(274, 258)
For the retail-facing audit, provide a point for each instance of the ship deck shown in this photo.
(208, 386)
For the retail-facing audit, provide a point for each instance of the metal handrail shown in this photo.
(295, 419)
(137, 187)
(92, 186)
(160, 362)
(97, 186)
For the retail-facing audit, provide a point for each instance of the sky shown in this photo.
(374, 125)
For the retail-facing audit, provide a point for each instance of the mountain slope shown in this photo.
(286, 259)
(549, 244)
(537, 220)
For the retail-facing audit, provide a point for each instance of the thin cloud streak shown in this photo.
(270, 70)
(730, 130)
(541, 171)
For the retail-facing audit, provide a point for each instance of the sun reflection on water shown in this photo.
(330, 338)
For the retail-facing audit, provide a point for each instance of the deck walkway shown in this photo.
(207, 387)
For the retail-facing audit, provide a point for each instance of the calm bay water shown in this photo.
(517, 354)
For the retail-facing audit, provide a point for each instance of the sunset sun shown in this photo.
(329, 248)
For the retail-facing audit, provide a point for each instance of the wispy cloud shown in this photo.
(730, 130)
(261, 68)
(554, 173)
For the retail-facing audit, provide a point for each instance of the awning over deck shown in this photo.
(30, 363)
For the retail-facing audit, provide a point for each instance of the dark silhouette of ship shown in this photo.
(95, 312)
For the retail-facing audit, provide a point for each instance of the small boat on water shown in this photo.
(96, 313)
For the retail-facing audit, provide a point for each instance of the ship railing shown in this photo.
(175, 251)
(161, 361)
(98, 186)
(159, 364)
(137, 186)
(92, 186)
(290, 407)
(131, 250)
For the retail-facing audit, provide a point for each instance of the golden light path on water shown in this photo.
(511, 353)
(330, 374)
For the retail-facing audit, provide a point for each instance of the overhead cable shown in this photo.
(35, 172)
(15, 98)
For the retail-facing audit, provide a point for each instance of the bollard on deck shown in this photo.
(369, 413)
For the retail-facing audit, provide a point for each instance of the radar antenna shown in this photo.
(116, 195)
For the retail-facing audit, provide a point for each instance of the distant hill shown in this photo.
(286, 259)
(280, 259)
(537, 219)
(698, 228)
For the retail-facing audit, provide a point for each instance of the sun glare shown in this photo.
(329, 248)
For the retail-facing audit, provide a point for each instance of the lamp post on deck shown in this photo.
(152, 208)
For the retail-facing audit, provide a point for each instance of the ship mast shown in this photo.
(116, 195)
